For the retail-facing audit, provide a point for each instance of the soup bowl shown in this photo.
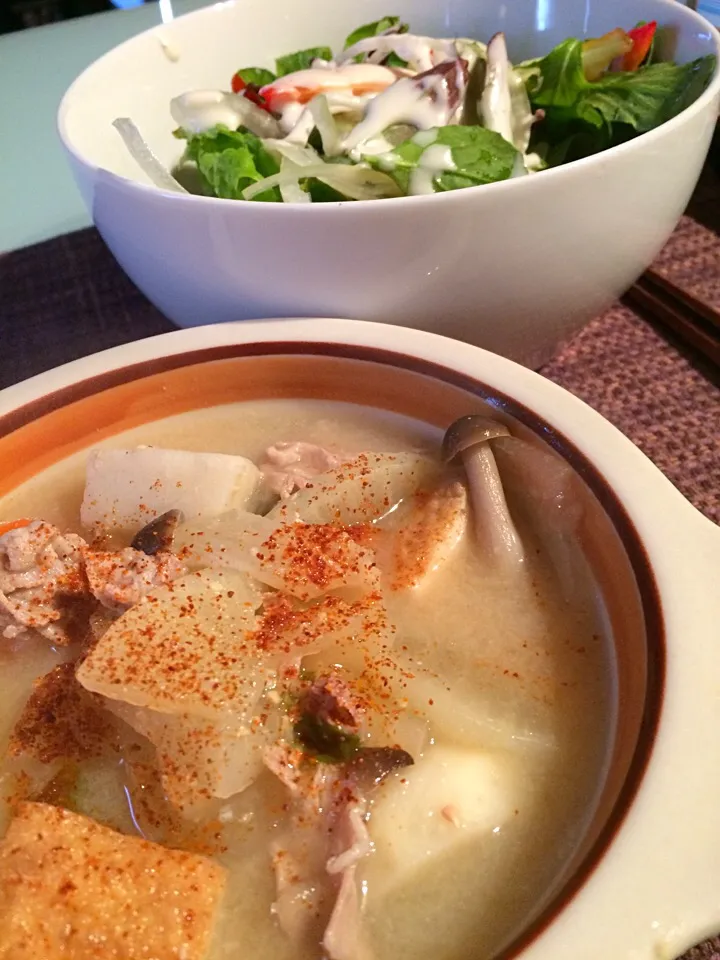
(469, 264)
(642, 881)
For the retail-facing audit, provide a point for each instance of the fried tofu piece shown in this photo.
(71, 889)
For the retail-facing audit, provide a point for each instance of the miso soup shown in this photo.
(356, 699)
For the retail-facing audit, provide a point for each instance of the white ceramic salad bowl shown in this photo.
(644, 883)
(512, 266)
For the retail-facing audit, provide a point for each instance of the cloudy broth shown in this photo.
(525, 659)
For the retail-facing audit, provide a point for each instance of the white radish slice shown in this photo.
(426, 812)
(203, 760)
(362, 490)
(326, 126)
(479, 715)
(182, 669)
(304, 560)
(146, 159)
(127, 488)
(184, 649)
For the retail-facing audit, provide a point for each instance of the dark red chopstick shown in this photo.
(692, 320)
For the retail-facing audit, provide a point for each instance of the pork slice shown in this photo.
(288, 467)
(120, 580)
(41, 581)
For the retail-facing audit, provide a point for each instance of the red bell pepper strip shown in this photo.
(238, 84)
(642, 38)
(249, 90)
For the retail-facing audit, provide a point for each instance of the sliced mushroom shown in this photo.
(157, 536)
(372, 764)
(469, 438)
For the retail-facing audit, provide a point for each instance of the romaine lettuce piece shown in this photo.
(375, 29)
(301, 60)
(384, 26)
(642, 98)
(229, 161)
(473, 155)
(258, 76)
(583, 117)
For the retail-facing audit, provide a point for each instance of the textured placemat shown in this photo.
(67, 298)
(706, 951)
(659, 393)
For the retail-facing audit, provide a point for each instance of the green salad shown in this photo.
(396, 114)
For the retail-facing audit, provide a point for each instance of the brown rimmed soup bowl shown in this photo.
(636, 877)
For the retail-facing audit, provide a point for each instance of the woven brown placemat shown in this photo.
(659, 393)
(706, 951)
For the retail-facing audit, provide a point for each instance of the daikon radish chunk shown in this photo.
(305, 560)
(421, 535)
(478, 712)
(185, 648)
(360, 491)
(448, 799)
(200, 760)
(184, 669)
(127, 488)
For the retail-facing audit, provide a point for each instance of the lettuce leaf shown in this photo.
(258, 76)
(478, 156)
(384, 25)
(584, 117)
(301, 60)
(374, 29)
(230, 160)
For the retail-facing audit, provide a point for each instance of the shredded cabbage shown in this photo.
(354, 181)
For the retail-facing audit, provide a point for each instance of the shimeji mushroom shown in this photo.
(157, 536)
(469, 438)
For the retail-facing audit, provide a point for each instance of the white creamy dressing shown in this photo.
(171, 51)
(406, 101)
(297, 119)
(423, 138)
(421, 53)
(200, 110)
(434, 160)
(423, 104)
(375, 147)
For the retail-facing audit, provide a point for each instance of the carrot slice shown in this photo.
(13, 525)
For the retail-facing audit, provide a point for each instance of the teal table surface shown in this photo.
(38, 198)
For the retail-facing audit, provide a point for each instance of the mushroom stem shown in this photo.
(469, 438)
(493, 523)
